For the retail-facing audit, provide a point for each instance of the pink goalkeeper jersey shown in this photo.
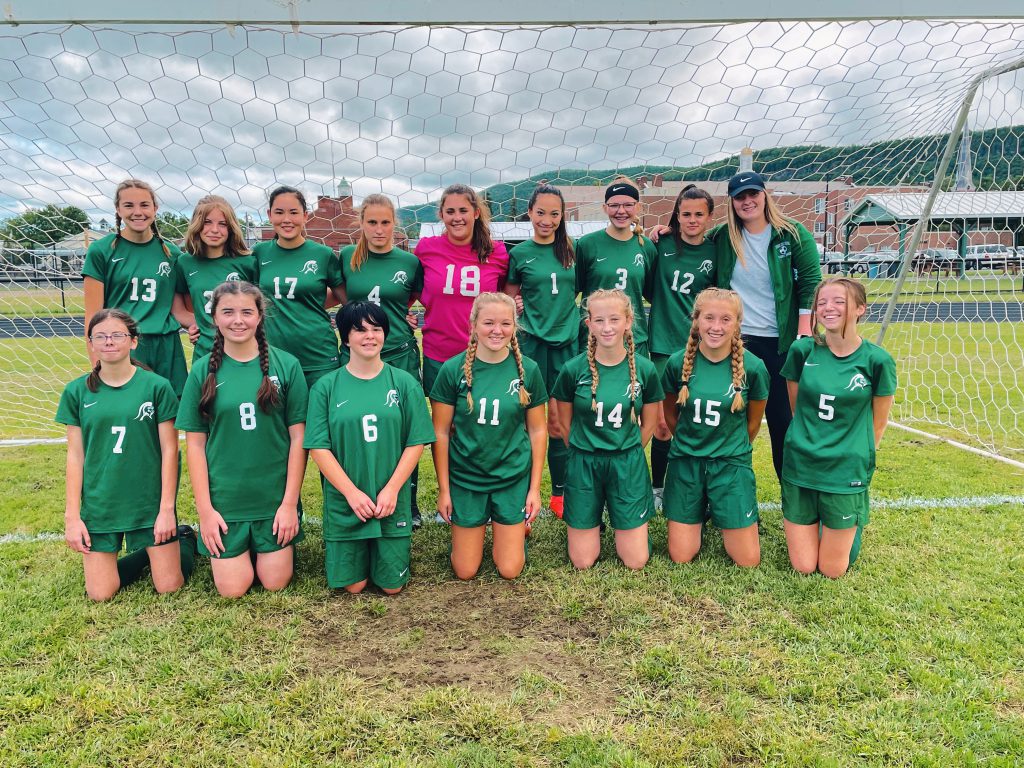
(452, 278)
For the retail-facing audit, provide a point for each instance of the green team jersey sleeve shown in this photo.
(189, 419)
(122, 473)
(294, 384)
(830, 445)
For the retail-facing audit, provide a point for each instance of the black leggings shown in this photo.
(777, 411)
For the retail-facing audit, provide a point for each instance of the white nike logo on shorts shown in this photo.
(404, 571)
(750, 513)
(90, 405)
(264, 263)
(847, 517)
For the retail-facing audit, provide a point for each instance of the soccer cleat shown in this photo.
(187, 533)
(557, 506)
(417, 519)
(659, 499)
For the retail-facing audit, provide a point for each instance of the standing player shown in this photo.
(715, 393)
(683, 267)
(772, 263)
(243, 413)
(618, 257)
(608, 404)
(543, 271)
(122, 466)
(457, 267)
(375, 270)
(368, 423)
(841, 388)
(215, 252)
(132, 269)
(488, 410)
(295, 274)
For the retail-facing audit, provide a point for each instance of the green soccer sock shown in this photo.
(131, 566)
(414, 484)
(558, 460)
(855, 549)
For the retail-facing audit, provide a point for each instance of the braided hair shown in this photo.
(628, 341)
(739, 375)
(268, 395)
(136, 184)
(467, 367)
(92, 383)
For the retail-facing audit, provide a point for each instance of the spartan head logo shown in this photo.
(857, 381)
(145, 411)
(233, 276)
(732, 390)
(276, 382)
(633, 390)
(309, 268)
(705, 266)
(513, 387)
(164, 269)
(400, 277)
(638, 260)
(392, 398)
(783, 250)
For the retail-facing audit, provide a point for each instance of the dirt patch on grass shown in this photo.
(492, 638)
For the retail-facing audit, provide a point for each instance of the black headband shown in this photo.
(622, 189)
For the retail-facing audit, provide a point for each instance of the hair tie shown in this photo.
(686, 383)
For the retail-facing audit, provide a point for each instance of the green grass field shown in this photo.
(913, 659)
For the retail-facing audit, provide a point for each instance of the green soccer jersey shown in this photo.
(707, 427)
(138, 279)
(121, 484)
(680, 272)
(604, 262)
(246, 449)
(367, 424)
(549, 293)
(196, 278)
(830, 446)
(609, 427)
(489, 447)
(389, 280)
(295, 282)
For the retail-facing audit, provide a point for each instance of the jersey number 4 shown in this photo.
(469, 280)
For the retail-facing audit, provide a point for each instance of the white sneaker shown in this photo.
(659, 501)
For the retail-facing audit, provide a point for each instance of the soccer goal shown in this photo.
(897, 142)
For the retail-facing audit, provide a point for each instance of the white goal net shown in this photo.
(848, 120)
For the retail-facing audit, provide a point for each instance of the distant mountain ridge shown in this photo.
(998, 164)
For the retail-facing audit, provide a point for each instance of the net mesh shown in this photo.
(847, 120)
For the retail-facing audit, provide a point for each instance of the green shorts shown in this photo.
(384, 561)
(618, 479)
(132, 540)
(405, 357)
(430, 370)
(722, 490)
(806, 506)
(312, 377)
(251, 535)
(162, 353)
(505, 506)
(549, 359)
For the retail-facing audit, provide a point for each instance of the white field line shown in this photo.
(908, 503)
(961, 446)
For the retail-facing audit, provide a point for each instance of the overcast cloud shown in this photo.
(408, 111)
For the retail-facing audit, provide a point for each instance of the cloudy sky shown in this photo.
(407, 111)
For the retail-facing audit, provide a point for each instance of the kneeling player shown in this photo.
(715, 395)
(368, 423)
(841, 389)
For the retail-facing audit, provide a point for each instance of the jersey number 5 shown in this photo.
(826, 412)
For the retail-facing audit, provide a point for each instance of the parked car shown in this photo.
(997, 257)
(875, 263)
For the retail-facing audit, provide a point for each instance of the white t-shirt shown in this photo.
(753, 282)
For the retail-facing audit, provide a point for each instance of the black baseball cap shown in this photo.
(747, 180)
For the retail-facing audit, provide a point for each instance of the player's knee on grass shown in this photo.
(684, 541)
(355, 589)
(743, 546)
(388, 591)
(100, 593)
(165, 565)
